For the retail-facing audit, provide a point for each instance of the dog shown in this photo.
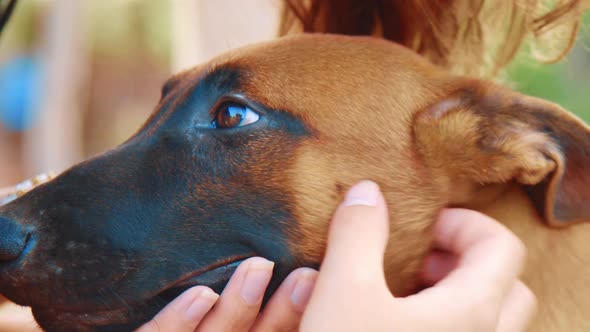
(249, 154)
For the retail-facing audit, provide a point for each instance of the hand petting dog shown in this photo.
(474, 276)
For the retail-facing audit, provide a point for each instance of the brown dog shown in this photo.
(249, 154)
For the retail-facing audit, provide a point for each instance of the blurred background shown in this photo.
(78, 77)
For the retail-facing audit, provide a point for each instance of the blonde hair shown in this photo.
(475, 37)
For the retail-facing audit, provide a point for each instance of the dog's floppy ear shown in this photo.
(486, 135)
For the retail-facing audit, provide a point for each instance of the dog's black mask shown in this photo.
(112, 240)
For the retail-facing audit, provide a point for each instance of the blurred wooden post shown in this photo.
(185, 33)
(202, 29)
(56, 142)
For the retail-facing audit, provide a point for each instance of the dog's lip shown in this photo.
(88, 318)
(199, 276)
(206, 275)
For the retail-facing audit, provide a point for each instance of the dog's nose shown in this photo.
(13, 239)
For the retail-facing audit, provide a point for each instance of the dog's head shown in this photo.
(250, 154)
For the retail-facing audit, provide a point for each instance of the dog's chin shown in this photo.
(129, 318)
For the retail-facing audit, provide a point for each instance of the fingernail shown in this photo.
(363, 193)
(201, 305)
(302, 289)
(256, 279)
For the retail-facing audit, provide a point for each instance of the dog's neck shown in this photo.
(553, 254)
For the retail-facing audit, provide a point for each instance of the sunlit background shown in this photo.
(80, 76)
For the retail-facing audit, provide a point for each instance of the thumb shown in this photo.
(358, 236)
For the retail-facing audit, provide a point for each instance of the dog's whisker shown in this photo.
(99, 298)
(121, 299)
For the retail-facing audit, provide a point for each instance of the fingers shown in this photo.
(238, 306)
(353, 265)
(284, 310)
(490, 257)
(184, 313)
(477, 265)
(351, 293)
(240, 301)
(358, 236)
(518, 310)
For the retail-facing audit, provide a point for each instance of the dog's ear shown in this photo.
(485, 135)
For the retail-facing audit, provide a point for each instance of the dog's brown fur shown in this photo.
(435, 140)
(482, 143)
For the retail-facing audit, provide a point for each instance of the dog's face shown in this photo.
(250, 154)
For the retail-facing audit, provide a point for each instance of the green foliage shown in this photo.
(566, 83)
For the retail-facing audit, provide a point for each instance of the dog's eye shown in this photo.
(233, 114)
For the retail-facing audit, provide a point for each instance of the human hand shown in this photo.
(237, 309)
(475, 275)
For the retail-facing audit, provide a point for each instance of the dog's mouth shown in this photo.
(214, 276)
(130, 317)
